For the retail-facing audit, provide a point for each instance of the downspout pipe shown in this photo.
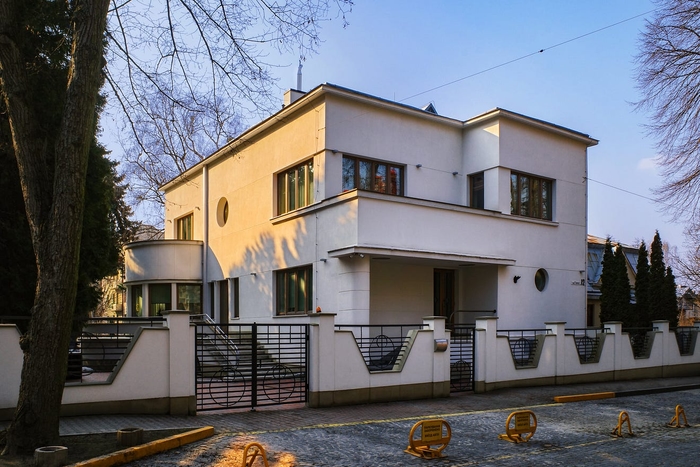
(205, 238)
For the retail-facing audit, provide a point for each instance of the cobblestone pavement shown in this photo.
(576, 434)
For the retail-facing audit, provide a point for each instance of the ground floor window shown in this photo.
(294, 294)
(189, 297)
(137, 300)
(159, 299)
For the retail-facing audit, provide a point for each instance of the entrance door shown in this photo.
(443, 292)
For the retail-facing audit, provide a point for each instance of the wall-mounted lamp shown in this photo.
(455, 173)
(418, 166)
(361, 255)
(515, 279)
(323, 260)
(334, 151)
(254, 274)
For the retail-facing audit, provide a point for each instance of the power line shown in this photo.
(528, 55)
(625, 191)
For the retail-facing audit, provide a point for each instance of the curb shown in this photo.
(628, 393)
(154, 447)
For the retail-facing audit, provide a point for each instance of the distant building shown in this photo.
(596, 249)
(379, 212)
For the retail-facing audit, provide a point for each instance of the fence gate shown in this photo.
(461, 358)
(250, 365)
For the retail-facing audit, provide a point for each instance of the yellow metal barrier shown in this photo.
(432, 433)
(525, 424)
(676, 421)
(621, 419)
(256, 450)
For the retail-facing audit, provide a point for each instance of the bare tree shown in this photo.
(198, 57)
(668, 76)
(187, 73)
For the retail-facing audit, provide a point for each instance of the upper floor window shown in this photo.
(295, 187)
(371, 175)
(530, 196)
(184, 227)
(294, 291)
(476, 183)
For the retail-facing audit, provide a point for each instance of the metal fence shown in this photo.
(523, 344)
(250, 365)
(462, 358)
(685, 338)
(587, 341)
(640, 341)
(381, 345)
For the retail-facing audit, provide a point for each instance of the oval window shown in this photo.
(222, 212)
(541, 278)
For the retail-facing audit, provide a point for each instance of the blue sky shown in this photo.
(397, 49)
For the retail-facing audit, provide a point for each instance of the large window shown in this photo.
(294, 295)
(159, 299)
(184, 227)
(295, 187)
(189, 297)
(369, 175)
(530, 196)
(476, 183)
(137, 300)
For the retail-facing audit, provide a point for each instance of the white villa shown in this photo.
(378, 212)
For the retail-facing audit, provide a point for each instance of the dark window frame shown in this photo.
(373, 175)
(184, 227)
(531, 196)
(295, 187)
(476, 190)
(294, 286)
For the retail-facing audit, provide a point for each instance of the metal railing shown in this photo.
(101, 344)
(640, 341)
(523, 344)
(587, 342)
(685, 338)
(381, 345)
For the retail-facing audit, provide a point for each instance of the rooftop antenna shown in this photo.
(299, 76)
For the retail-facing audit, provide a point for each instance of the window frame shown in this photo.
(181, 305)
(184, 226)
(295, 187)
(373, 169)
(283, 293)
(476, 194)
(538, 204)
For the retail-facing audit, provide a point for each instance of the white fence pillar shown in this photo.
(441, 359)
(182, 362)
(321, 358)
(557, 328)
(485, 350)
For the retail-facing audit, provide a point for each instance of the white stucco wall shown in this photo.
(433, 217)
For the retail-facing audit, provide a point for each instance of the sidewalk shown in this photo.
(289, 417)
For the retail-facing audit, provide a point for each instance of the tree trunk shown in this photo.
(54, 208)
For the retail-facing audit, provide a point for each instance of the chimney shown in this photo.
(293, 94)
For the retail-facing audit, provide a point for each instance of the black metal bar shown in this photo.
(254, 367)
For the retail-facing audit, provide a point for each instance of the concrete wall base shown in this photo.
(380, 394)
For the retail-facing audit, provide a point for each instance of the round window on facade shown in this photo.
(222, 212)
(541, 279)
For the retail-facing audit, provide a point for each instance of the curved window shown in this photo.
(541, 279)
(222, 212)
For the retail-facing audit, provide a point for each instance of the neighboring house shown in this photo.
(688, 307)
(379, 212)
(596, 249)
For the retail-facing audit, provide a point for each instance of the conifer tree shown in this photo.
(670, 304)
(641, 289)
(622, 288)
(607, 286)
(657, 277)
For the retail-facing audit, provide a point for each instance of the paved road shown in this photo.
(576, 434)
